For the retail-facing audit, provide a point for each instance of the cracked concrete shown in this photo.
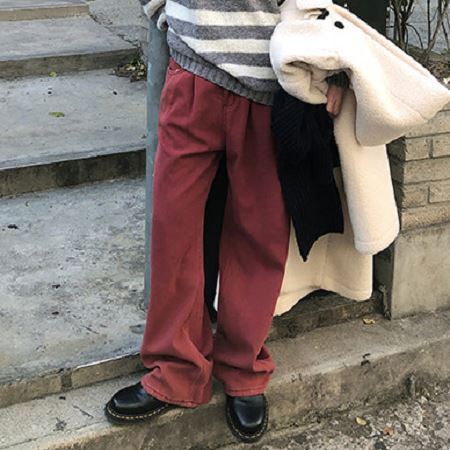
(123, 17)
(420, 423)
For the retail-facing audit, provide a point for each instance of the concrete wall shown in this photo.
(415, 269)
(419, 21)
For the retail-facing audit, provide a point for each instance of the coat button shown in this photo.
(323, 13)
(338, 24)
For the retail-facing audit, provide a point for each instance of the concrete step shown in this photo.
(73, 263)
(328, 369)
(71, 286)
(102, 134)
(11, 10)
(35, 47)
(321, 309)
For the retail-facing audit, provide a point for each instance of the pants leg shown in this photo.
(197, 119)
(177, 344)
(253, 251)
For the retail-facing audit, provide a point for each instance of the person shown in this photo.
(216, 101)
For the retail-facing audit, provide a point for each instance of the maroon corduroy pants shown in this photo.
(198, 121)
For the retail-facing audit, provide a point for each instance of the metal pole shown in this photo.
(158, 56)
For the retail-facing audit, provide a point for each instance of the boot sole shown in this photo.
(247, 437)
(122, 419)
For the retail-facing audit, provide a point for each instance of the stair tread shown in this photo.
(103, 113)
(318, 361)
(29, 39)
(71, 278)
(19, 10)
(17, 4)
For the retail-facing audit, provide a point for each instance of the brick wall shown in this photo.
(413, 271)
(420, 166)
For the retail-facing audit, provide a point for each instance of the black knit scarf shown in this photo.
(306, 155)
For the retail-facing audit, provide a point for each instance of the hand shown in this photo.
(335, 95)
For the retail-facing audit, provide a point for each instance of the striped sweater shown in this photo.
(225, 42)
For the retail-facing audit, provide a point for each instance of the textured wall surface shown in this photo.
(415, 269)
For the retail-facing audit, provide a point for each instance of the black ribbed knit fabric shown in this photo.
(307, 153)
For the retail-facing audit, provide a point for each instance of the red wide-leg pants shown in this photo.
(198, 121)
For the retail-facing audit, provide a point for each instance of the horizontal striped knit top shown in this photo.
(226, 42)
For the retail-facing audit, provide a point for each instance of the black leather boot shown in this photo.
(247, 416)
(133, 404)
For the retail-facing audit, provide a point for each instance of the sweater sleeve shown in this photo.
(152, 7)
(155, 10)
(339, 79)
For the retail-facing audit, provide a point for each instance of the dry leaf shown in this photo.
(53, 74)
(388, 431)
(361, 421)
(368, 321)
(56, 114)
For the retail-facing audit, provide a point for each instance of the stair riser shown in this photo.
(63, 64)
(33, 178)
(13, 14)
(291, 326)
(64, 380)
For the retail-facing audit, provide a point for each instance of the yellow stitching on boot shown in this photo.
(142, 416)
(119, 416)
(253, 436)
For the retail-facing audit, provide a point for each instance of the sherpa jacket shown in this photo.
(225, 42)
(390, 94)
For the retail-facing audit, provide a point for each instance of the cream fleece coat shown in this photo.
(390, 93)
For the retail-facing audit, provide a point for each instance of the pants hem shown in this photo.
(240, 392)
(164, 398)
